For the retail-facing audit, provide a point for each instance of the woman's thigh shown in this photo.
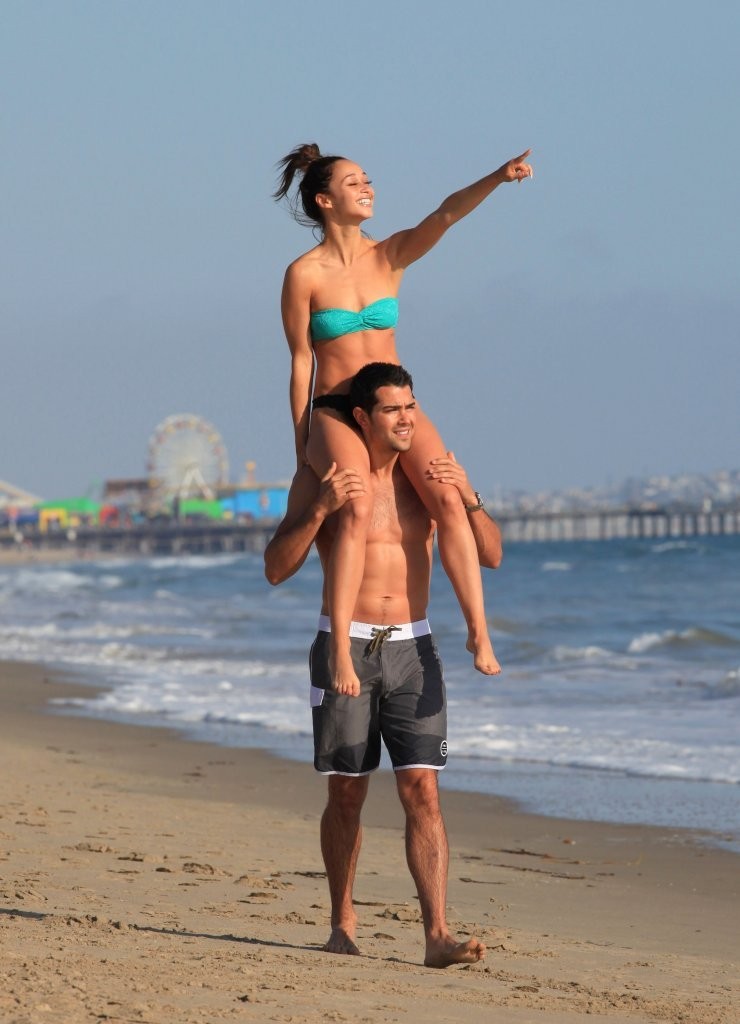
(333, 440)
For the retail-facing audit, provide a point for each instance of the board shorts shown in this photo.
(402, 701)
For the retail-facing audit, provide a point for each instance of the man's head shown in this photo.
(382, 400)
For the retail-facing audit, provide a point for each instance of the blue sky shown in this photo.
(576, 329)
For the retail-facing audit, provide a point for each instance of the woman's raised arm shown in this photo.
(295, 304)
(405, 247)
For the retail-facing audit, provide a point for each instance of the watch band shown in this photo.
(479, 506)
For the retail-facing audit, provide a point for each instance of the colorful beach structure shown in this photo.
(133, 518)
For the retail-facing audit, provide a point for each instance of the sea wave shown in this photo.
(591, 652)
(693, 636)
(543, 743)
(674, 545)
(726, 688)
(196, 562)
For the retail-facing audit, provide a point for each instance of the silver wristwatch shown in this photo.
(478, 506)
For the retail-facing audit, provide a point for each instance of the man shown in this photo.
(402, 695)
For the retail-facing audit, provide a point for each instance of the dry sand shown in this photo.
(147, 878)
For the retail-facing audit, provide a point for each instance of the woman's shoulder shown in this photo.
(305, 260)
(302, 271)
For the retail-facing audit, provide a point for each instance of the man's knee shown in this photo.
(418, 790)
(346, 795)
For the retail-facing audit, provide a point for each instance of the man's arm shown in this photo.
(485, 530)
(310, 501)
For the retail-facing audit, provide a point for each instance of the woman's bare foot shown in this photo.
(343, 676)
(341, 942)
(445, 952)
(483, 657)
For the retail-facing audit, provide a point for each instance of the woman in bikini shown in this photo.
(340, 307)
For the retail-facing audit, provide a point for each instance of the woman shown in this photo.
(340, 307)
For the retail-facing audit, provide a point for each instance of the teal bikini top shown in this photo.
(327, 324)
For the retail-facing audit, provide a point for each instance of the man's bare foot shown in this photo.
(340, 942)
(343, 677)
(483, 657)
(445, 952)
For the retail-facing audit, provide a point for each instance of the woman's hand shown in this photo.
(516, 169)
(448, 471)
(405, 247)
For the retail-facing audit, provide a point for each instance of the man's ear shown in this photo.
(361, 417)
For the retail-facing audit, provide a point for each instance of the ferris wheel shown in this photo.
(187, 457)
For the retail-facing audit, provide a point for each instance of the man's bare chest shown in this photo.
(397, 511)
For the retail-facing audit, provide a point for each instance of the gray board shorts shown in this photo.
(402, 700)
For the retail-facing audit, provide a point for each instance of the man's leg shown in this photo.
(341, 837)
(427, 854)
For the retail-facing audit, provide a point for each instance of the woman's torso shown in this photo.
(354, 288)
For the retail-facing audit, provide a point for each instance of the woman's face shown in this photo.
(350, 194)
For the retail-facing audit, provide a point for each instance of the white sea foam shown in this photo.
(674, 545)
(623, 749)
(726, 688)
(557, 566)
(591, 652)
(680, 638)
(647, 641)
(195, 562)
(49, 581)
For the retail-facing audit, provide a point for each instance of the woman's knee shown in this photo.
(355, 513)
(445, 502)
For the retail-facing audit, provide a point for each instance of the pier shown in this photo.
(143, 540)
(220, 537)
(624, 523)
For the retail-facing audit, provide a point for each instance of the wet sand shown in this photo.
(144, 877)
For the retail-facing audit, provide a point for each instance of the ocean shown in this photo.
(619, 699)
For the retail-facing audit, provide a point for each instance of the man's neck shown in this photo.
(382, 463)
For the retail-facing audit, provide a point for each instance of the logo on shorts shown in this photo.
(443, 748)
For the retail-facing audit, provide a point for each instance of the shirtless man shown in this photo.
(401, 693)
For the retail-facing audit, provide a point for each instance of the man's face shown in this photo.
(392, 422)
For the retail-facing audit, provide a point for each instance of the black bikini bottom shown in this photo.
(339, 403)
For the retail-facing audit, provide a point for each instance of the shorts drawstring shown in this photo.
(379, 635)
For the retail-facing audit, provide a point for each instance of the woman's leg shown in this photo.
(457, 548)
(332, 440)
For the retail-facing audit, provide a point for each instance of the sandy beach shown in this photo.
(148, 878)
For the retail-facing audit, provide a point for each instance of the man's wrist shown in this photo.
(476, 505)
(319, 511)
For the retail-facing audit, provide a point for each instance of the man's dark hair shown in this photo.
(372, 376)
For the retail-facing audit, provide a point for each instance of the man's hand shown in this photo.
(448, 471)
(337, 488)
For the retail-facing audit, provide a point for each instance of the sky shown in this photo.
(575, 330)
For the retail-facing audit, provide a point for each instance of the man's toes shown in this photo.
(340, 942)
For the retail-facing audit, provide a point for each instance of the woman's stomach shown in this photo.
(338, 360)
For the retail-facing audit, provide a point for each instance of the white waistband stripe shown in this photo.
(368, 630)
